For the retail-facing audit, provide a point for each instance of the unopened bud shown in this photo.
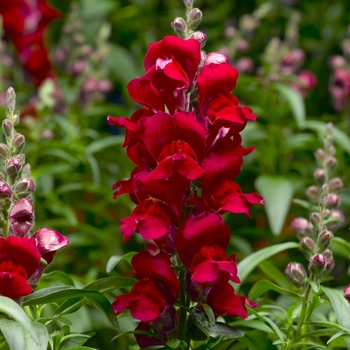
(347, 293)
(21, 218)
(315, 218)
(26, 171)
(323, 241)
(337, 218)
(302, 226)
(188, 3)
(13, 166)
(5, 191)
(18, 142)
(307, 246)
(320, 154)
(7, 127)
(296, 273)
(320, 176)
(194, 18)
(11, 99)
(336, 184)
(179, 25)
(331, 150)
(336, 62)
(4, 151)
(313, 193)
(23, 185)
(215, 57)
(318, 264)
(328, 255)
(333, 200)
(331, 163)
(199, 36)
(326, 214)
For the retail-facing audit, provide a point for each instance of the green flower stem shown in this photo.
(183, 310)
(303, 313)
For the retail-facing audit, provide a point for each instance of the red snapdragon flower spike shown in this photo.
(21, 218)
(201, 230)
(223, 300)
(171, 65)
(19, 258)
(208, 263)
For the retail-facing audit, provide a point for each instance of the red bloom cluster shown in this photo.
(23, 256)
(25, 22)
(187, 149)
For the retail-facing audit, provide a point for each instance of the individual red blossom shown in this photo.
(201, 230)
(19, 259)
(157, 288)
(208, 263)
(171, 65)
(223, 300)
(21, 217)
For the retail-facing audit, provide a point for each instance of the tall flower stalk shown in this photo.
(185, 142)
(315, 235)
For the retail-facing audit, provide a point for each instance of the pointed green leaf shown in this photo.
(278, 193)
(115, 259)
(248, 264)
(12, 309)
(260, 287)
(296, 102)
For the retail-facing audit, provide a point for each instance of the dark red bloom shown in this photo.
(223, 300)
(195, 232)
(158, 287)
(19, 259)
(171, 65)
(21, 217)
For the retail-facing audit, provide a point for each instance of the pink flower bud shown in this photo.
(336, 62)
(215, 57)
(313, 193)
(179, 26)
(336, 184)
(333, 200)
(243, 45)
(21, 218)
(195, 18)
(296, 273)
(199, 36)
(323, 241)
(307, 246)
(338, 216)
(320, 154)
(105, 86)
(320, 176)
(307, 79)
(245, 65)
(318, 264)
(5, 191)
(302, 226)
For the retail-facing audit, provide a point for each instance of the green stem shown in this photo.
(183, 311)
(303, 313)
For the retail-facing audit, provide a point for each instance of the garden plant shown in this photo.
(174, 175)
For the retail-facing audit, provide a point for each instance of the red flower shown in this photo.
(157, 288)
(19, 259)
(21, 217)
(171, 65)
(223, 300)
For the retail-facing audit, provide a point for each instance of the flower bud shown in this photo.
(11, 99)
(179, 25)
(21, 218)
(320, 176)
(335, 184)
(4, 151)
(296, 273)
(313, 193)
(243, 46)
(188, 3)
(336, 62)
(320, 154)
(323, 240)
(244, 65)
(215, 57)
(318, 264)
(333, 200)
(331, 150)
(199, 36)
(315, 218)
(301, 224)
(331, 163)
(347, 293)
(338, 217)
(7, 127)
(18, 142)
(5, 191)
(328, 254)
(307, 246)
(23, 185)
(194, 18)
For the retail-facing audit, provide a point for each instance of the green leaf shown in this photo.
(210, 314)
(274, 274)
(307, 345)
(55, 294)
(337, 335)
(99, 145)
(296, 103)
(114, 260)
(277, 192)
(108, 284)
(177, 343)
(127, 68)
(12, 309)
(21, 338)
(263, 286)
(315, 285)
(150, 334)
(58, 276)
(224, 345)
(340, 307)
(248, 264)
(73, 340)
(340, 137)
(342, 245)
